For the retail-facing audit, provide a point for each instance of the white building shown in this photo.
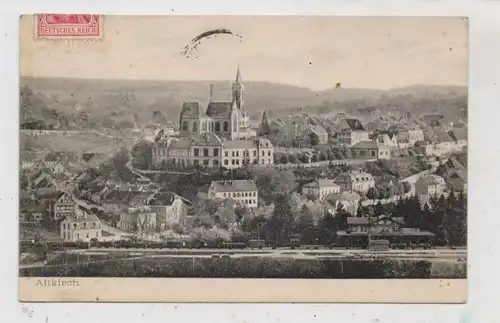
(244, 192)
(83, 225)
(320, 188)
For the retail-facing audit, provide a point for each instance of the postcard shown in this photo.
(243, 158)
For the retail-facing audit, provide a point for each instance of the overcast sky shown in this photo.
(313, 51)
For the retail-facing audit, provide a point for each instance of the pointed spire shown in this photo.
(238, 75)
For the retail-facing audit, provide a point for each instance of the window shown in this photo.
(195, 126)
(206, 162)
(196, 152)
(185, 126)
(234, 194)
(237, 154)
(226, 126)
(217, 126)
(262, 153)
(268, 153)
(232, 162)
(237, 161)
(233, 154)
(216, 152)
(255, 153)
(216, 162)
(254, 194)
(226, 162)
(374, 153)
(226, 153)
(238, 194)
(205, 152)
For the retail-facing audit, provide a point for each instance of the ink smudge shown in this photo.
(192, 47)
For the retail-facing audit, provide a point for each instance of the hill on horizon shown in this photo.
(126, 101)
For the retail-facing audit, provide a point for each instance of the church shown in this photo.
(227, 119)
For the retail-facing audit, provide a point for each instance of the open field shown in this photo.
(138, 264)
(82, 142)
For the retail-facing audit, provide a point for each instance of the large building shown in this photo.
(82, 225)
(351, 131)
(210, 151)
(244, 192)
(357, 181)
(227, 119)
(320, 188)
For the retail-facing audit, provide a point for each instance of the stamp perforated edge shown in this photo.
(82, 38)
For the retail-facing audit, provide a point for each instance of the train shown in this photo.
(293, 243)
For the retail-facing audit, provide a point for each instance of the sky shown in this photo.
(310, 51)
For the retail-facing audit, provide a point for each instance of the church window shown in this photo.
(204, 125)
(185, 126)
(217, 126)
(195, 126)
(226, 126)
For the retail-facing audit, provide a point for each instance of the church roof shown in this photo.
(190, 109)
(219, 109)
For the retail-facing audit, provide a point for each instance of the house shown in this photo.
(93, 160)
(318, 135)
(388, 140)
(442, 143)
(410, 136)
(169, 209)
(58, 168)
(140, 199)
(65, 157)
(238, 153)
(382, 227)
(460, 136)
(430, 185)
(351, 131)
(177, 152)
(320, 188)
(98, 193)
(244, 192)
(349, 200)
(138, 219)
(64, 207)
(370, 149)
(356, 180)
(31, 211)
(117, 200)
(81, 225)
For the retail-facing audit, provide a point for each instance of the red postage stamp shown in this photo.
(68, 26)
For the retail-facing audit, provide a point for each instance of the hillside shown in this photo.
(84, 103)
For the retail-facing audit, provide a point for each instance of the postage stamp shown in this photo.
(247, 154)
(67, 26)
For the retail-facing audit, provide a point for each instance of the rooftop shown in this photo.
(234, 186)
(322, 183)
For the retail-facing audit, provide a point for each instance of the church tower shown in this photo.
(238, 90)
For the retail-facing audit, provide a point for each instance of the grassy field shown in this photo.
(85, 142)
(251, 267)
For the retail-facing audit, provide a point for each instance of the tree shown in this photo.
(272, 182)
(279, 225)
(292, 158)
(322, 156)
(284, 159)
(372, 193)
(379, 209)
(264, 128)
(314, 159)
(142, 155)
(360, 212)
(406, 187)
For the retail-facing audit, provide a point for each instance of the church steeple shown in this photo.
(238, 90)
